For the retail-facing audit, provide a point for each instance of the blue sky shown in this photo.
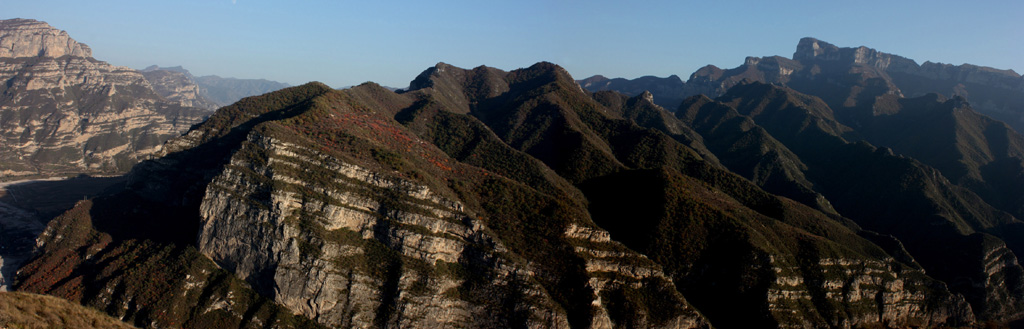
(348, 42)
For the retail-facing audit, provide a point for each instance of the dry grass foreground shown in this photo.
(20, 310)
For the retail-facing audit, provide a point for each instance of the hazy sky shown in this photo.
(348, 42)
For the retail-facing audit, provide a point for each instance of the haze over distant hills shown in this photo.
(803, 193)
(848, 77)
(220, 91)
(668, 91)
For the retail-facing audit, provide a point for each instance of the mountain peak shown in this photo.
(647, 96)
(708, 71)
(810, 48)
(442, 66)
(32, 38)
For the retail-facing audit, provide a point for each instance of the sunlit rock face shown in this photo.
(66, 112)
(20, 38)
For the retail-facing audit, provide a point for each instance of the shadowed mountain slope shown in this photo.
(895, 195)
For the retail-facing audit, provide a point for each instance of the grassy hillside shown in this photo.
(20, 310)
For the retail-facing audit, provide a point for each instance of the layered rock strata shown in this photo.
(62, 111)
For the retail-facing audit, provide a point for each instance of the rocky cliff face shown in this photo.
(811, 50)
(177, 85)
(361, 249)
(899, 186)
(65, 112)
(26, 38)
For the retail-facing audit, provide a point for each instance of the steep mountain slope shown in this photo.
(334, 211)
(132, 253)
(749, 150)
(62, 111)
(482, 198)
(970, 149)
(934, 218)
(581, 129)
(865, 90)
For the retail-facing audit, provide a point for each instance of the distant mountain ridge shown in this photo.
(215, 90)
(177, 85)
(871, 73)
(669, 90)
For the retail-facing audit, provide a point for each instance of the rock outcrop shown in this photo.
(64, 112)
(810, 50)
(26, 38)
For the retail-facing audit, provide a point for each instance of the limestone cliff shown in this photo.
(62, 111)
(811, 50)
(362, 249)
(177, 85)
(26, 38)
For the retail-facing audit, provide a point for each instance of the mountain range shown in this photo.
(214, 91)
(820, 195)
(63, 112)
(844, 78)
